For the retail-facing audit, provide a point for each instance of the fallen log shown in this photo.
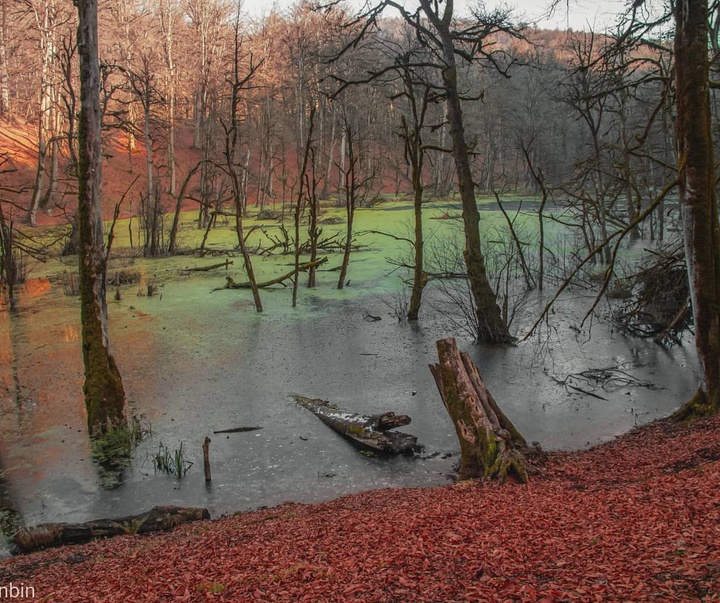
(157, 519)
(231, 284)
(490, 445)
(368, 432)
(224, 264)
(237, 429)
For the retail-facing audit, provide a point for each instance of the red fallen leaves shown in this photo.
(635, 520)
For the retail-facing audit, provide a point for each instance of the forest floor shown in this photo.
(637, 519)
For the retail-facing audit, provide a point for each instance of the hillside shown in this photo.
(18, 141)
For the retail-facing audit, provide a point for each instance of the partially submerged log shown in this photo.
(238, 429)
(231, 284)
(224, 264)
(157, 519)
(490, 445)
(369, 432)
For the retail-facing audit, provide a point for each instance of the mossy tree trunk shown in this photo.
(490, 445)
(103, 388)
(490, 324)
(698, 199)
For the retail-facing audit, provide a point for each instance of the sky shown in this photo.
(581, 14)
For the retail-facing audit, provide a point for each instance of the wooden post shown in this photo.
(490, 445)
(206, 460)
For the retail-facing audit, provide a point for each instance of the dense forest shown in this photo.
(579, 115)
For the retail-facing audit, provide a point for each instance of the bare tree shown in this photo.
(468, 42)
(239, 81)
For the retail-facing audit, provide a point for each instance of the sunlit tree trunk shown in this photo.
(4, 77)
(103, 388)
(167, 18)
(45, 19)
(698, 200)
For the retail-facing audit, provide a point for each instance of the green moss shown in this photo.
(112, 450)
(355, 430)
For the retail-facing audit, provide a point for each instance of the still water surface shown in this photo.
(194, 362)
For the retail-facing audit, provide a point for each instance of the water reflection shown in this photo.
(194, 363)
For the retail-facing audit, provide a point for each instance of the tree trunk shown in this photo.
(490, 445)
(103, 388)
(415, 156)
(172, 245)
(46, 27)
(5, 109)
(8, 264)
(698, 201)
(54, 171)
(491, 327)
(350, 176)
(302, 181)
(232, 148)
(167, 22)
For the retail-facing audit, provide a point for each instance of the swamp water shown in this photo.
(194, 362)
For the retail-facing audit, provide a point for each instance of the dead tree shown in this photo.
(451, 46)
(239, 82)
(368, 432)
(302, 178)
(490, 445)
(157, 519)
(172, 244)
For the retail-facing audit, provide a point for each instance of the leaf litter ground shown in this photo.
(637, 519)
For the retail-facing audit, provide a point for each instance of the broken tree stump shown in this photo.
(206, 459)
(157, 519)
(369, 432)
(490, 445)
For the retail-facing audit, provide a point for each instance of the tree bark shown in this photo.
(698, 200)
(490, 445)
(491, 326)
(350, 177)
(371, 432)
(158, 519)
(172, 245)
(5, 108)
(103, 388)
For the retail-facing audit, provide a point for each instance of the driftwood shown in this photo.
(158, 519)
(231, 284)
(490, 445)
(224, 264)
(237, 429)
(369, 432)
